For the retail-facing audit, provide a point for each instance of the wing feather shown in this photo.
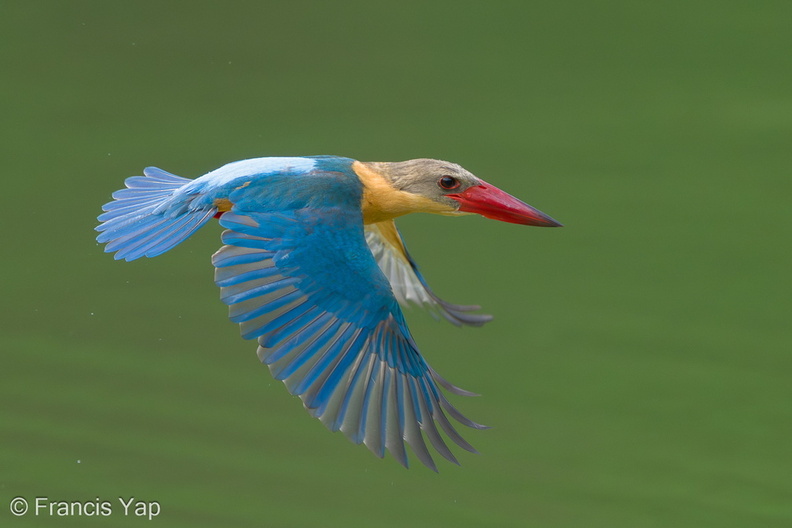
(408, 284)
(305, 284)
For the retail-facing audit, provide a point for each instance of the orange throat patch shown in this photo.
(223, 205)
(382, 201)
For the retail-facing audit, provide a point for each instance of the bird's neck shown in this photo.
(382, 201)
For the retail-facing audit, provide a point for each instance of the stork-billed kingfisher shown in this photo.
(314, 269)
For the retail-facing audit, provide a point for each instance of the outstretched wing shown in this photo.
(408, 284)
(304, 283)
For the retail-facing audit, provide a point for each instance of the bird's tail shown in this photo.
(150, 216)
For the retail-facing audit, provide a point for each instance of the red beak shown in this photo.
(489, 201)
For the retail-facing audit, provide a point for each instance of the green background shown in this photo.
(637, 373)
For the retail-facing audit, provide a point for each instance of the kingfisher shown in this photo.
(313, 267)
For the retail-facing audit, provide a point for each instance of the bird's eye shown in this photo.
(448, 183)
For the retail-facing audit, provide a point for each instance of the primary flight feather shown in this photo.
(314, 269)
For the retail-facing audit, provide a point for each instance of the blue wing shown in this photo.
(304, 283)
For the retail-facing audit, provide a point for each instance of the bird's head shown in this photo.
(442, 187)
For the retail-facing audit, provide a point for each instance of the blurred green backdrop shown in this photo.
(637, 371)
